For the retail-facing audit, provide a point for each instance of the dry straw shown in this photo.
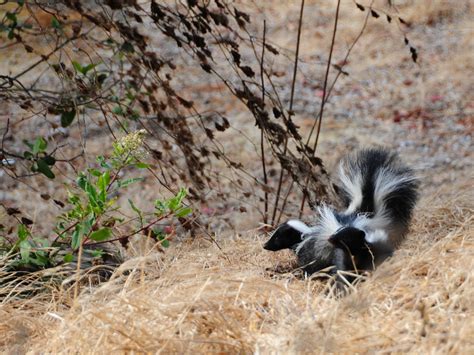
(195, 298)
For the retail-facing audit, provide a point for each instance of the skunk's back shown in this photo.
(375, 181)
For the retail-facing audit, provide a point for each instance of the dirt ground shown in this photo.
(200, 297)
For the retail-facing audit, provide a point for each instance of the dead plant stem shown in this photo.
(323, 100)
(295, 70)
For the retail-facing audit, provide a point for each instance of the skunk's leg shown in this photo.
(314, 254)
(342, 261)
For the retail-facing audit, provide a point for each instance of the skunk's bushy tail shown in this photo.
(376, 183)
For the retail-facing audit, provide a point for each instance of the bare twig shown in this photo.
(295, 70)
(262, 146)
(323, 101)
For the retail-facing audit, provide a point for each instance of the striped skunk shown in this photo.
(378, 193)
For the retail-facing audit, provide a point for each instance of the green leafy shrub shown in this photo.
(93, 213)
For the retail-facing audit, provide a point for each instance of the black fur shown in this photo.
(284, 237)
(356, 250)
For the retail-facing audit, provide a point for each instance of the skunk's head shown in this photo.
(350, 239)
(287, 236)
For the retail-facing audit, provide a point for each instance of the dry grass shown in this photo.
(199, 299)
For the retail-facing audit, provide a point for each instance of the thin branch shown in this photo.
(125, 237)
(262, 147)
(295, 70)
(285, 200)
(45, 57)
(323, 101)
(344, 63)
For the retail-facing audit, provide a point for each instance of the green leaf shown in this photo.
(81, 230)
(103, 163)
(40, 145)
(183, 212)
(117, 110)
(137, 211)
(175, 202)
(88, 68)
(172, 204)
(94, 172)
(181, 194)
(106, 176)
(97, 253)
(76, 237)
(88, 223)
(86, 185)
(134, 115)
(77, 66)
(55, 23)
(101, 234)
(25, 248)
(135, 208)
(23, 232)
(127, 182)
(67, 117)
(44, 169)
(160, 207)
(74, 199)
(68, 258)
(92, 194)
(82, 181)
(141, 165)
(39, 259)
(102, 183)
(162, 238)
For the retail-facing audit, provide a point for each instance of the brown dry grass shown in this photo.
(197, 298)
